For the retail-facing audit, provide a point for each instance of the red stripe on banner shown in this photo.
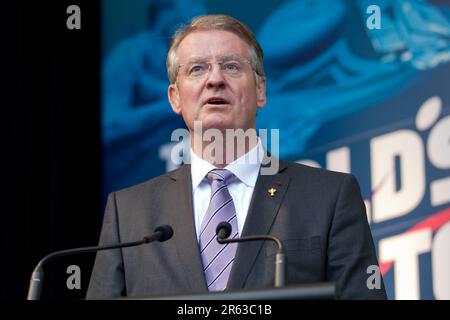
(433, 222)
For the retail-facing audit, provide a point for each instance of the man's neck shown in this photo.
(223, 150)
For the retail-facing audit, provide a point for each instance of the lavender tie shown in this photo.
(218, 258)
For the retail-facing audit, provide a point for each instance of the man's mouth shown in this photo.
(217, 101)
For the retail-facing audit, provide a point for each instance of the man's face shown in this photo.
(216, 99)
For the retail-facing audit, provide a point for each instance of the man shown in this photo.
(217, 80)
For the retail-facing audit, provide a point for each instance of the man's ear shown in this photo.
(261, 92)
(174, 98)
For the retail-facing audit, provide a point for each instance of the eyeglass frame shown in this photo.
(220, 63)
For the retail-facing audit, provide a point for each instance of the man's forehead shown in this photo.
(211, 43)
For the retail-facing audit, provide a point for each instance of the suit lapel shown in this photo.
(261, 215)
(182, 220)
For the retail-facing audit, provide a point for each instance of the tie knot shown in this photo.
(221, 175)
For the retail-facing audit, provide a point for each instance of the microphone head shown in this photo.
(166, 232)
(223, 230)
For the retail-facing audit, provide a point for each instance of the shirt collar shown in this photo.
(246, 168)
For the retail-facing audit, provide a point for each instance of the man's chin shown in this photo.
(219, 123)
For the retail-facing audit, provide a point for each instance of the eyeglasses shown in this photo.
(232, 66)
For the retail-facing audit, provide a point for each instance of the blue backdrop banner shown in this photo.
(360, 86)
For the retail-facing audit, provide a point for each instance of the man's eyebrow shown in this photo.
(197, 59)
(226, 57)
(229, 57)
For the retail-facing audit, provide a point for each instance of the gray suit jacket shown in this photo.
(319, 215)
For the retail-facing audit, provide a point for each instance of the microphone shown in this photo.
(223, 231)
(161, 234)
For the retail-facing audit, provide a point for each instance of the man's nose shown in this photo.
(215, 77)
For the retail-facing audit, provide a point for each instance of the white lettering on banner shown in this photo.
(387, 202)
(408, 149)
(440, 191)
(428, 113)
(438, 149)
(339, 160)
(403, 250)
(406, 146)
(438, 146)
(441, 263)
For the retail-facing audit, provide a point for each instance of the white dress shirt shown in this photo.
(245, 168)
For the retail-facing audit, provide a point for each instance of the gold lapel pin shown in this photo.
(272, 191)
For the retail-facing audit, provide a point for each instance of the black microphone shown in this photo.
(161, 234)
(223, 231)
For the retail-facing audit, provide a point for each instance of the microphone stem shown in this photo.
(280, 270)
(94, 248)
(280, 266)
(37, 277)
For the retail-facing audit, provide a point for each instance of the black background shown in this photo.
(52, 153)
